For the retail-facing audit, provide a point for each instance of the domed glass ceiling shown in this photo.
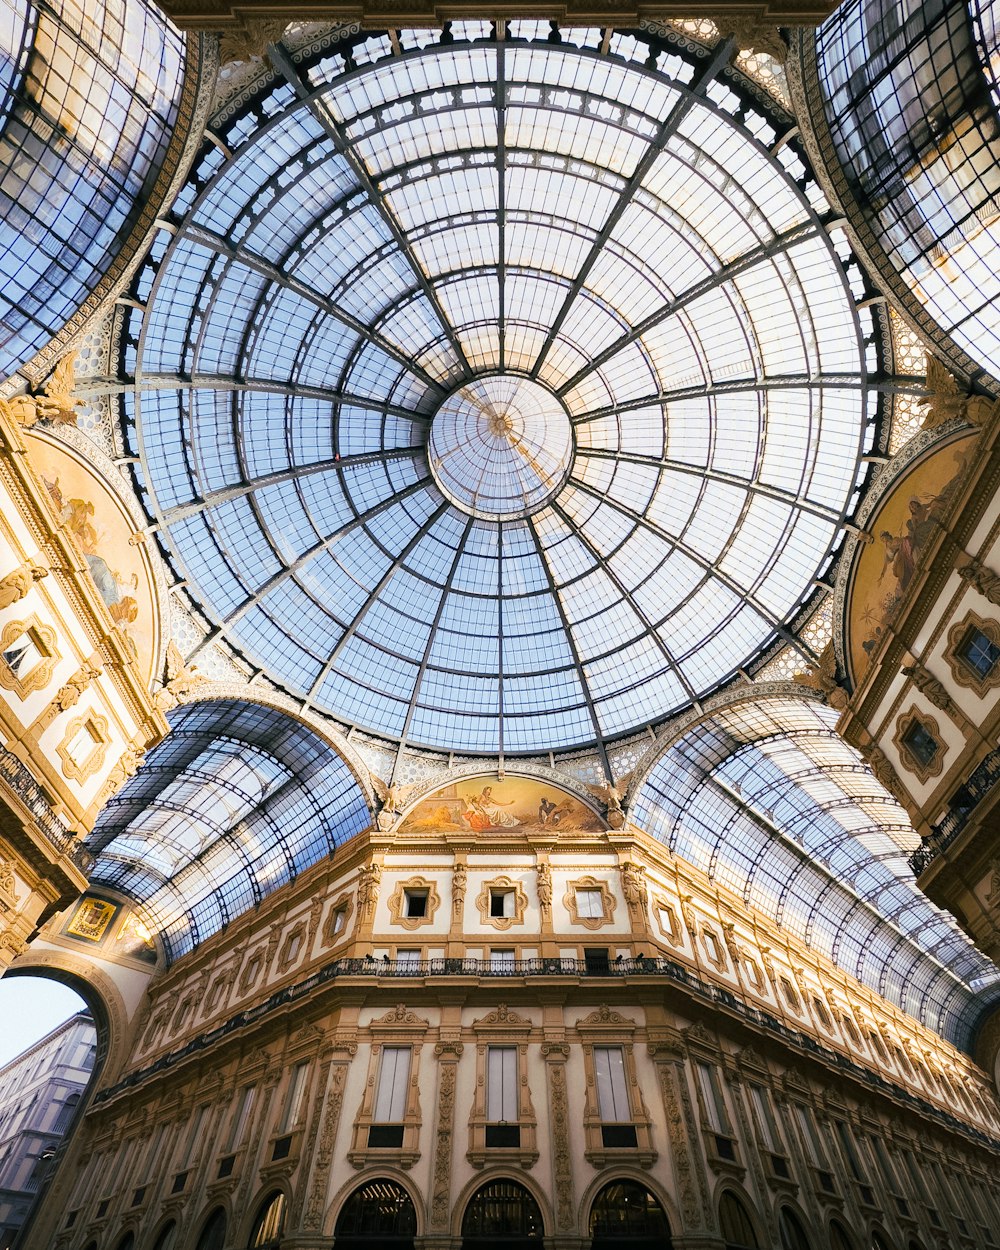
(500, 396)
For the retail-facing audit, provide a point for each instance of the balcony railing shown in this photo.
(374, 970)
(20, 779)
(963, 803)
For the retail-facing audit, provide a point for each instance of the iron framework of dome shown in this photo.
(501, 395)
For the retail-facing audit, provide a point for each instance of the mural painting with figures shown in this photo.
(486, 805)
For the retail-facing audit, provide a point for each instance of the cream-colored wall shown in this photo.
(446, 1012)
(87, 673)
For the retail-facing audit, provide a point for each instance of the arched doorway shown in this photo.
(502, 1215)
(213, 1231)
(167, 1239)
(735, 1224)
(270, 1221)
(378, 1213)
(839, 1239)
(626, 1216)
(793, 1235)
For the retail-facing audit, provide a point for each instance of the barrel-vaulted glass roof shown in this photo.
(88, 99)
(237, 801)
(777, 807)
(500, 395)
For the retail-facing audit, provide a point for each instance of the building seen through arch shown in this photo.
(500, 623)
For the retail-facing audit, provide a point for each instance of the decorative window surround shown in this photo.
(42, 640)
(505, 885)
(911, 721)
(572, 902)
(668, 922)
(962, 670)
(335, 926)
(502, 1027)
(398, 902)
(605, 1027)
(79, 764)
(398, 1027)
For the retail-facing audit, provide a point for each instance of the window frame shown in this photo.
(397, 1028)
(605, 1028)
(502, 1029)
(908, 723)
(502, 885)
(964, 673)
(608, 900)
(399, 902)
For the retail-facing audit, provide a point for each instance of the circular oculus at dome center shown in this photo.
(500, 396)
(500, 447)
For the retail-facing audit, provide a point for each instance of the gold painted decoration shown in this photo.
(134, 940)
(904, 525)
(121, 568)
(28, 654)
(91, 918)
(485, 805)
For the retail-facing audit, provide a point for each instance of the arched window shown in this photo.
(168, 1237)
(737, 1227)
(839, 1239)
(127, 1242)
(213, 1232)
(268, 1225)
(625, 1214)
(880, 1243)
(502, 1214)
(793, 1235)
(379, 1214)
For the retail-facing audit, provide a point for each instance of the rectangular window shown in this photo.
(590, 904)
(409, 959)
(22, 654)
(502, 904)
(596, 960)
(612, 1088)
(242, 1117)
(293, 1103)
(394, 1077)
(979, 652)
(416, 903)
(766, 1123)
(501, 1084)
(194, 1139)
(711, 1096)
(847, 1142)
(920, 743)
(82, 744)
(501, 961)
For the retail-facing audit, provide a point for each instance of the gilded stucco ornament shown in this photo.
(611, 793)
(15, 586)
(55, 403)
(946, 401)
(392, 799)
(822, 678)
(180, 681)
(982, 579)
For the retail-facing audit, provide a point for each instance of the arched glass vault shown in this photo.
(88, 100)
(501, 395)
(236, 802)
(774, 805)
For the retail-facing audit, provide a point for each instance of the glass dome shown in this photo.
(501, 395)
